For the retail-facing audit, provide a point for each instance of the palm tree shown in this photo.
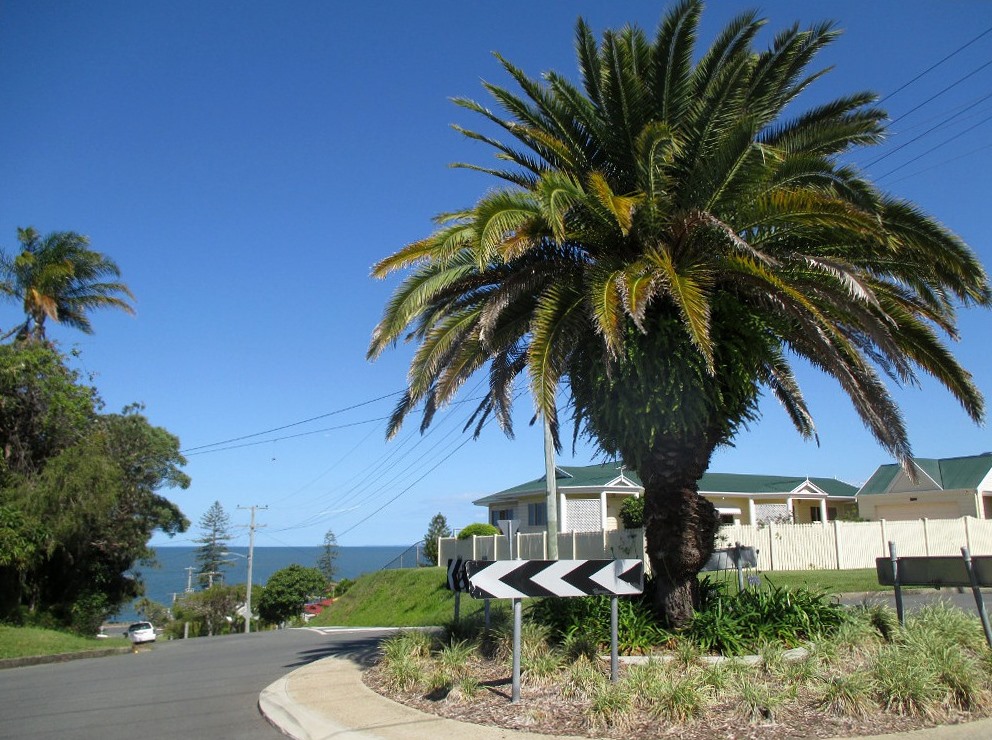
(59, 277)
(664, 246)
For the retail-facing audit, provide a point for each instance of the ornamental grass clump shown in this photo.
(456, 656)
(680, 698)
(580, 679)
(610, 706)
(850, 695)
(906, 683)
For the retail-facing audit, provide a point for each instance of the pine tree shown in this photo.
(437, 528)
(215, 524)
(325, 562)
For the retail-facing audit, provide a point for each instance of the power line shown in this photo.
(405, 490)
(288, 436)
(930, 130)
(936, 64)
(294, 424)
(935, 148)
(941, 92)
(941, 163)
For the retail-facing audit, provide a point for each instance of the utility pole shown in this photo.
(189, 579)
(251, 555)
(551, 477)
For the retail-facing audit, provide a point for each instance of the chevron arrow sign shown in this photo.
(457, 580)
(519, 579)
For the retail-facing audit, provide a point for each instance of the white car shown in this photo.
(140, 632)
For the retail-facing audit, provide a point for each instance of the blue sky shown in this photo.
(246, 164)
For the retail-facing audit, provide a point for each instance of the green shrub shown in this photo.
(632, 512)
(638, 630)
(734, 623)
(478, 529)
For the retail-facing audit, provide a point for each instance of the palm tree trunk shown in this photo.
(680, 526)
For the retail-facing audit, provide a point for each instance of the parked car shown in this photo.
(141, 632)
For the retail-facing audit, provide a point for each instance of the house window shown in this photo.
(497, 514)
(537, 515)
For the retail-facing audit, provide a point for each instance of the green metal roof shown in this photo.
(715, 483)
(949, 473)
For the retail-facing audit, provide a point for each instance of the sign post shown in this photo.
(509, 528)
(520, 579)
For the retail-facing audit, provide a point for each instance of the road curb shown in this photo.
(295, 720)
(60, 657)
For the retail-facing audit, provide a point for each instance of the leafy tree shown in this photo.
(438, 527)
(665, 243)
(287, 590)
(329, 553)
(156, 613)
(216, 527)
(44, 408)
(212, 611)
(59, 277)
(93, 508)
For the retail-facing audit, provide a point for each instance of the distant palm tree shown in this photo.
(666, 244)
(59, 277)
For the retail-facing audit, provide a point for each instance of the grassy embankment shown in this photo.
(416, 598)
(22, 642)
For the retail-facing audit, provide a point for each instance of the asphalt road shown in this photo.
(190, 689)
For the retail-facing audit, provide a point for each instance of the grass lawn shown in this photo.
(22, 642)
(418, 597)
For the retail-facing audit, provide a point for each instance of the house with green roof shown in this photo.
(590, 497)
(945, 488)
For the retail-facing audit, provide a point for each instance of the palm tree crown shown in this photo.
(665, 245)
(59, 277)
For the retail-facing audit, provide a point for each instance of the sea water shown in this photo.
(170, 577)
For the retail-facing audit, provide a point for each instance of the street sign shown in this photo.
(457, 578)
(934, 571)
(518, 579)
(730, 558)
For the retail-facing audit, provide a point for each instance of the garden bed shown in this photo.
(868, 677)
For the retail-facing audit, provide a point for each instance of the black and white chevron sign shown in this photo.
(457, 578)
(518, 579)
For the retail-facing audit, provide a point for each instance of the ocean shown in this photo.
(170, 576)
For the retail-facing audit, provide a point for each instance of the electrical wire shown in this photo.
(936, 64)
(294, 424)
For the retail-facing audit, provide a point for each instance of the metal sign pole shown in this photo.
(898, 588)
(740, 567)
(458, 598)
(517, 624)
(614, 640)
(979, 601)
(486, 603)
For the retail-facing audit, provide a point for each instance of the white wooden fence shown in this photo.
(835, 545)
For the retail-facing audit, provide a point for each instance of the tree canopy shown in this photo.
(211, 555)
(287, 590)
(438, 527)
(665, 240)
(59, 277)
(79, 492)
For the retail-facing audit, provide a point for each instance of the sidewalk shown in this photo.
(327, 699)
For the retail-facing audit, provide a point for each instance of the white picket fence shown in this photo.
(835, 545)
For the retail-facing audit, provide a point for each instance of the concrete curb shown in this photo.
(60, 657)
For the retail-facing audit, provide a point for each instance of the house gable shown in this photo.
(934, 474)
